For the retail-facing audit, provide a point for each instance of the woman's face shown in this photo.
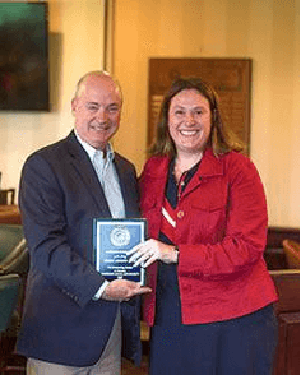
(189, 121)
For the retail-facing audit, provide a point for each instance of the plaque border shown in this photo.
(140, 222)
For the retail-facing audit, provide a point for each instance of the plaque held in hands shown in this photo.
(112, 240)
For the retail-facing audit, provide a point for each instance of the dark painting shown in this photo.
(23, 57)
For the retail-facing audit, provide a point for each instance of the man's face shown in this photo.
(97, 110)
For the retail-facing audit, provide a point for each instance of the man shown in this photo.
(72, 315)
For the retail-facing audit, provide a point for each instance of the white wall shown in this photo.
(266, 31)
(76, 46)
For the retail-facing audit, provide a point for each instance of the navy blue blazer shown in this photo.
(59, 196)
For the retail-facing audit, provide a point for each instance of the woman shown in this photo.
(211, 303)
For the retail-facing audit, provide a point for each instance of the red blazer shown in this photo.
(221, 230)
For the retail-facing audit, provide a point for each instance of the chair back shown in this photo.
(10, 237)
(9, 293)
(7, 196)
(292, 252)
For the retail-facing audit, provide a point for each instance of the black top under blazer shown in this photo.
(59, 196)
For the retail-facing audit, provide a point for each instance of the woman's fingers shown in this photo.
(142, 254)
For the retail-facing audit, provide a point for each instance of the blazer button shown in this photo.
(180, 214)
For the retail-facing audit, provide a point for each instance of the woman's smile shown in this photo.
(190, 132)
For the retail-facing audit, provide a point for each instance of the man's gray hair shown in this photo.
(82, 80)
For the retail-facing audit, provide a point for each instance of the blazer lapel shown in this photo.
(128, 185)
(80, 161)
(209, 166)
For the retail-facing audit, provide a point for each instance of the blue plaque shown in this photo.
(112, 240)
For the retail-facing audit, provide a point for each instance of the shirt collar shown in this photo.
(90, 150)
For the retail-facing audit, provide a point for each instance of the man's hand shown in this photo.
(123, 290)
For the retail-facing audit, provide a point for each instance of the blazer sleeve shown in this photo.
(244, 232)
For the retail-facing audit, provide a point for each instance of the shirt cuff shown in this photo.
(100, 291)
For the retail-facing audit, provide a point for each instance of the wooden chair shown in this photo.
(10, 286)
(7, 196)
(292, 252)
(13, 275)
(287, 282)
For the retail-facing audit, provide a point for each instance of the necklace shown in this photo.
(181, 168)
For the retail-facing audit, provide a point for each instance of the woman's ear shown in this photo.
(215, 115)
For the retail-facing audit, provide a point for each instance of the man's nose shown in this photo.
(101, 114)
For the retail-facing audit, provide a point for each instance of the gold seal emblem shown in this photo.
(120, 236)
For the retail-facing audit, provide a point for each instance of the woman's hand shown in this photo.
(149, 251)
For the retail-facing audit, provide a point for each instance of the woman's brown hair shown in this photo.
(220, 141)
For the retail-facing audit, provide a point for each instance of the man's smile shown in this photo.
(99, 127)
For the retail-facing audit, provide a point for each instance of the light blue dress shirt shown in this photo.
(108, 177)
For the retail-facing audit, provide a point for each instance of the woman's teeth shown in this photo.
(189, 132)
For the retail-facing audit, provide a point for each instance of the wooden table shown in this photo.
(288, 362)
(10, 214)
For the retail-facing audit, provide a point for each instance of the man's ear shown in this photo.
(74, 103)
